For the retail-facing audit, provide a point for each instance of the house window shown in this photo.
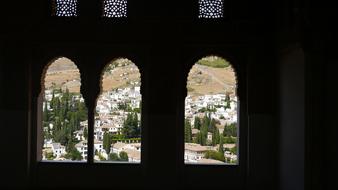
(65, 8)
(64, 112)
(211, 8)
(115, 8)
(118, 113)
(211, 113)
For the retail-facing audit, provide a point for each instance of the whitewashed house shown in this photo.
(82, 148)
(58, 150)
(79, 135)
(98, 148)
(133, 155)
(194, 152)
(117, 147)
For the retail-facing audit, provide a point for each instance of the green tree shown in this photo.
(123, 156)
(114, 157)
(49, 155)
(211, 154)
(212, 125)
(201, 139)
(51, 104)
(102, 158)
(82, 110)
(204, 130)
(227, 101)
(230, 130)
(65, 115)
(107, 140)
(60, 136)
(230, 140)
(215, 136)
(72, 152)
(197, 123)
(187, 131)
(136, 126)
(85, 133)
(45, 113)
(130, 127)
(233, 150)
(220, 148)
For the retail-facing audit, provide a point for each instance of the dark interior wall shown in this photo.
(165, 39)
(329, 152)
(14, 114)
(292, 118)
(262, 114)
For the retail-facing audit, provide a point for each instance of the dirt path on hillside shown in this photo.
(206, 70)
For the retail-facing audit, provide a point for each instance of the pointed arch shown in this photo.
(211, 112)
(117, 128)
(64, 113)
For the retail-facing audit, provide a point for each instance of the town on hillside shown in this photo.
(117, 130)
(210, 123)
(210, 114)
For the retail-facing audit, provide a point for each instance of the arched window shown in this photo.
(211, 8)
(115, 8)
(65, 8)
(117, 128)
(211, 113)
(64, 117)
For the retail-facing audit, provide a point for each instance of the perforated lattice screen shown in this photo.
(65, 8)
(210, 8)
(115, 8)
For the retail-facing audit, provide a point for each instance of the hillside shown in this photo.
(214, 61)
(210, 80)
(64, 73)
(122, 73)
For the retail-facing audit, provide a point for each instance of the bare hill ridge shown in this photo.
(121, 73)
(210, 80)
(63, 73)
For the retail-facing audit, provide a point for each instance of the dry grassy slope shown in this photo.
(208, 80)
(202, 79)
(64, 73)
(121, 77)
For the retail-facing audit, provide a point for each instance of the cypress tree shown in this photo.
(45, 113)
(215, 136)
(197, 123)
(51, 105)
(135, 125)
(212, 125)
(220, 148)
(188, 132)
(227, 101)
(107, 142)
(85, 133)
(204, 130)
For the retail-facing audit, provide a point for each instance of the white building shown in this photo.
(98, 148)
(58, 150)
(194, 152)
(79, 135)
(133, 150)
(82, 148)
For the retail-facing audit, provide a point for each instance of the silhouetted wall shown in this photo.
(292, 118)
(288, 124)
